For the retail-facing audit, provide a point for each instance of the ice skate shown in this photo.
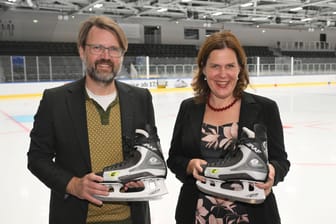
(146, 164)
(234, 177)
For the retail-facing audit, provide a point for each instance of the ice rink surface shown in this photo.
(306, 196)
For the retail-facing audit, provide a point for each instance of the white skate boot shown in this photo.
(146, 164)
(234, 176)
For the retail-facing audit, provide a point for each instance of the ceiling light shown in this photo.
(98, 6)
(259, 18)
(306, 19)
(162, 10)
(217, 13)
(296, 9)
(184, 1)
(246, 4)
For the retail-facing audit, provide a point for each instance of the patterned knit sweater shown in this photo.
(104, 130)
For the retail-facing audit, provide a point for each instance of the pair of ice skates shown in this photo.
(234, 176)
(145, 164)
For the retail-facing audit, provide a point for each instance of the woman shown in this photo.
(210, 123)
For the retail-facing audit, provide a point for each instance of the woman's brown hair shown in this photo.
(219, 40)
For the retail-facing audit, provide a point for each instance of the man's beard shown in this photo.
(102, 76)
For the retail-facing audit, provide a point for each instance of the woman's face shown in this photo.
(221, 71)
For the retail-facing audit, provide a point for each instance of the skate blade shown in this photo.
(154, 189)
(248, 194)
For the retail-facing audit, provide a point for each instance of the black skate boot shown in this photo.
(146, 164)
(234, 176)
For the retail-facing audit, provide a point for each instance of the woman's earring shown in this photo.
(205, 77)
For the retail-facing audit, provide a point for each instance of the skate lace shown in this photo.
(228, 154)
(152, 143)
(258, 144)
(132, 156)
(141, 140)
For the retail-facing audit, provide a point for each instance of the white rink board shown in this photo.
(38, 87)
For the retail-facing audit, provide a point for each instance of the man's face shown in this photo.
(102, 55)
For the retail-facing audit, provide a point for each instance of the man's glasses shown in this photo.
(99, 49)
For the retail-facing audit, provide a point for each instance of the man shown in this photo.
(84, 126)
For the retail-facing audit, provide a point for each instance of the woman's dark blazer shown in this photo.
(185, 145)
(59, 147)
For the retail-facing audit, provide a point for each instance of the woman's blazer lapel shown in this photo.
(195, 125)
(249, 111)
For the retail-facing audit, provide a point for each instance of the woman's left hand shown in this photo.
(134, 185)
(267, 186)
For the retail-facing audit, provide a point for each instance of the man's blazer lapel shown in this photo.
(75, 100)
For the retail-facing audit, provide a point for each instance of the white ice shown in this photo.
(306, 196)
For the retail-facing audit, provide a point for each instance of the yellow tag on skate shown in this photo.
(213, 171)
(113, 174)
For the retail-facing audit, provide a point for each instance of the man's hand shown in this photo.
(87, 186)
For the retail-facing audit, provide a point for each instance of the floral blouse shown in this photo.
(212, 210)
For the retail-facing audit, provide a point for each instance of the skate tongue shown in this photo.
(142, 132)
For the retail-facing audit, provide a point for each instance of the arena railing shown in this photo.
(54, 68)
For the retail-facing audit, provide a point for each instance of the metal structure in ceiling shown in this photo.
(275, 13)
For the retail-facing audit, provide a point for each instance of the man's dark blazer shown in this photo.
(185, 145)
(59, 147)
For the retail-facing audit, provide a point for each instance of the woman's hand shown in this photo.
(267, 186)
(195, 168)
(134, 184)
